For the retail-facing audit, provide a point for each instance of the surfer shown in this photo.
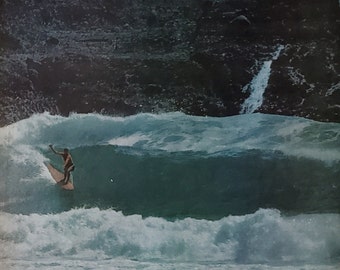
(68, 163)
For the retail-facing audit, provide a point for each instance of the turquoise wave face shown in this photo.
(173, 165)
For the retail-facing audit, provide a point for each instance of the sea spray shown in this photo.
(93, 234)
(177, 132)
(258, 85)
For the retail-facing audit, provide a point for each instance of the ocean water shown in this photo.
(171, 191)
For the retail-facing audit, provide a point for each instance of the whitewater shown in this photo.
(258, 85)
(171, 191)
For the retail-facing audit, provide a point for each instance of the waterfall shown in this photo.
(258, 85)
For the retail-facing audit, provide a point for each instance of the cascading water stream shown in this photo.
(258, 85)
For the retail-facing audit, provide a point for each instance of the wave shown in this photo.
(173, 165)
(177, 132)
(171, 191)
(264, 237)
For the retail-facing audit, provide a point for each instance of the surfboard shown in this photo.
(58, 176)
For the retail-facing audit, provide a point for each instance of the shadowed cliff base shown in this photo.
(126, 57)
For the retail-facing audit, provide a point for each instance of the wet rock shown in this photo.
(195, 56)
(8, 42)
(52, 41)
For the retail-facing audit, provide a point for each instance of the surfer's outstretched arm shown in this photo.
(54, 151)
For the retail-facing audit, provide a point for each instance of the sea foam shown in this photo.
(177, 132)
(264, 237)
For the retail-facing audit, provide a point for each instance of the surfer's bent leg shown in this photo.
(65, 175)
(68, 173)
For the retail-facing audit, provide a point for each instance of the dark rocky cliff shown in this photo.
(122, 57)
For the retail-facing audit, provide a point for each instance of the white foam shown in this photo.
(129, 140)
(258, 85)
(264, 237)
(175, 132)
(334, 88)
(27, 129)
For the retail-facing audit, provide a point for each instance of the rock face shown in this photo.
(123, 57)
